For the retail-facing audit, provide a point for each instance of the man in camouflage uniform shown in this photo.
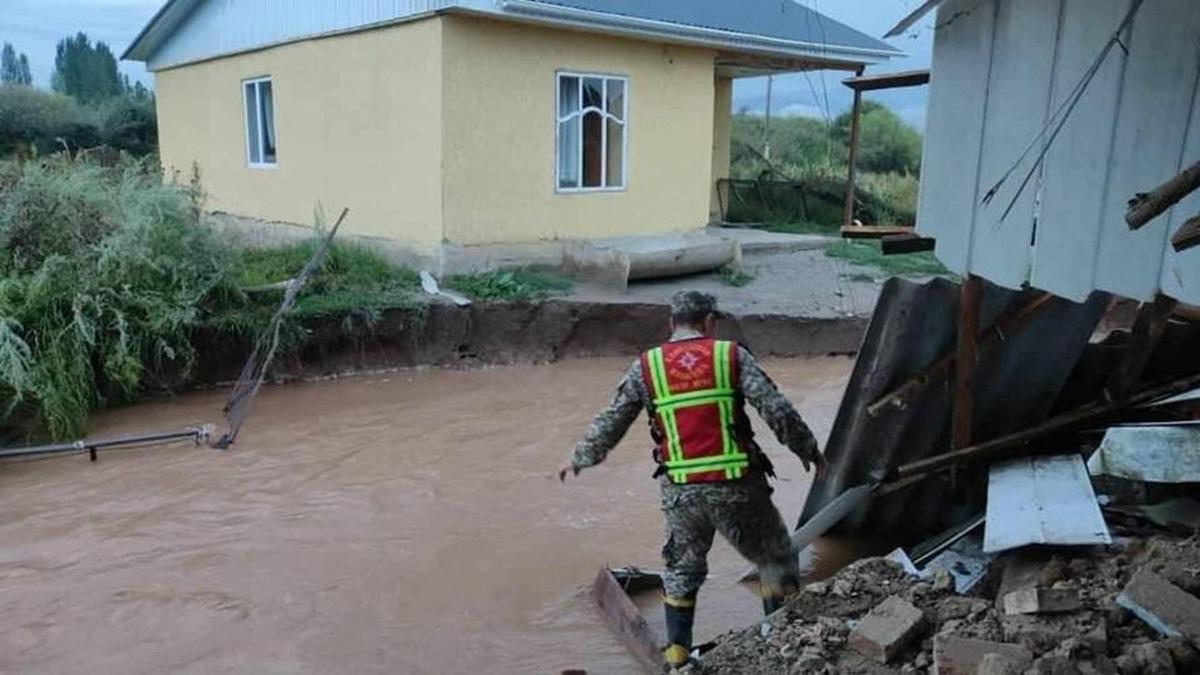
(740, 509)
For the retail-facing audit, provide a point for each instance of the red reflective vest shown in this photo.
(700, 426)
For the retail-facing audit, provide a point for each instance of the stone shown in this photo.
(843, 588)
(809, 662)
(1149, 658)
(943, 581)
(954, 607)
(1167, 608)
(998, 664)
(1054, 665)
(1186, 657)
(887, 629)
(954, 655)
(818, 588)
(1041, 601)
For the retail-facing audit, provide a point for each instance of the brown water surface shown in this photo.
(403, 523)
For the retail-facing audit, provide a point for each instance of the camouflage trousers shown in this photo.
(743, 513)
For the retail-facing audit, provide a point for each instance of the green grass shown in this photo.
(735, 276)
(526, 283)
(869, 254)
(802, 227)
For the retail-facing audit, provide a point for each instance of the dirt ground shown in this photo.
(811, 634)
(804, 283)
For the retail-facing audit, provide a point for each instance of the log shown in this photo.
(998, 448)
(1188, 235)
(1145, 207)
(906, 243)
(1148, 329)
(965, 360)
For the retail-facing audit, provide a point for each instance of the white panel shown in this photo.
(958, 93)
(1076, 168)
(227, 26)
(1181, 271)
(1151, 124)
(1045, 500)
(1017, 102)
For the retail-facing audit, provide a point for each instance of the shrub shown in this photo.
(35, 122)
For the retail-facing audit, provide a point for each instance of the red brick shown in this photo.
(886, 630)
(953, 655)
(1166, 607)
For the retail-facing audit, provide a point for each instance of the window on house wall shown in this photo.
(592, 115)
(260, 123)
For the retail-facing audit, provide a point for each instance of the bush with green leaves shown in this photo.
(35, 122)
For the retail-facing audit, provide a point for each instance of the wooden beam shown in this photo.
(855, 115)
(1188, 235)
(1148, 329)
(1144, 207)
(908, 78)
(626, 622)
(965, 359)
(1000, 329)
(1005, 446)
(894, 244)
(874, 231)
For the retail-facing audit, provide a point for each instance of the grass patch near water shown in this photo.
(527, 283)
(869, 254)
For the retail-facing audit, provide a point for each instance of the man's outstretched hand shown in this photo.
(568, 467)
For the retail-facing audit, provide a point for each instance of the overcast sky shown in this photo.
(36, 26)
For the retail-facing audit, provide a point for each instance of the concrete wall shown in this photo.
(499, 134)
(358, 124)
(722, 140)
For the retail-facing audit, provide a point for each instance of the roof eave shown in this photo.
(141, 49)
(711, 37)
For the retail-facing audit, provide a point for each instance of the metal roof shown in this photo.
(778, 28)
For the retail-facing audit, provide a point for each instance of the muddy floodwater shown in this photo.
(401, 523)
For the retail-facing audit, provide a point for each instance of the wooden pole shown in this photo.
(1188, 235)
(965, 359)
(1148, 329)
(1089, 414)
(855, 114)
(1144, 207)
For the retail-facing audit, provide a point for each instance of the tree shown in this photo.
(87, 73)
(14, 69)
(885, 142)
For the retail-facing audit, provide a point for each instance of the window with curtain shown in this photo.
(592, 114)
(260, 122)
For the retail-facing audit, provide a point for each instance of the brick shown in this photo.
(998, 664)
(886, 630)
(1041, 601)
(1167, 608)
(953, 655)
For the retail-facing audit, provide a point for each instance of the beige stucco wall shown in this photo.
(722, 139)
(358, 123)
(499, 102)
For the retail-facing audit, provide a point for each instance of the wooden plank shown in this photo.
(626, 622)
(950, 160)
(1187, 237)
(1145, 207)
(1071, 420)
(966, 357)
(1077, 165)
(1017, 110)
(907, 78)
(1152, 124)
(1148, 329)
(895, 244)
(1045, 500)
(874, 231)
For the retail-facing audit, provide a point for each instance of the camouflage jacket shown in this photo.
(631, 398)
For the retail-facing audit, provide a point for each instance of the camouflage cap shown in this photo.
(692, 307)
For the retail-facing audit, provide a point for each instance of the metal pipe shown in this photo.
(92, 446)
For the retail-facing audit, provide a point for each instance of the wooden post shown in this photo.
(854, 119)
(964, 361)
(1145, 207)
(1148, 329)
(625, 621)
(1188, 235)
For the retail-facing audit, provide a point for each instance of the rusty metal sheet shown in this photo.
(914, 325)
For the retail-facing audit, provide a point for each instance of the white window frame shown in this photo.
(623, 121)
(258, 120)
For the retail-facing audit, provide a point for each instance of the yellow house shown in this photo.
(471, 122)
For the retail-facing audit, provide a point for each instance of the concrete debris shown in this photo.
(1167, 608)
(1041, 601)
(887, 629)
(1159, 454)
(953, 655)
(823, 631)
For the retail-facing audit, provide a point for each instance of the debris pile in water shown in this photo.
(1061, 611)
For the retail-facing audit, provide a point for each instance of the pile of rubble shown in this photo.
(1127, 608)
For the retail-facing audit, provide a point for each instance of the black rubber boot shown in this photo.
(680, 614)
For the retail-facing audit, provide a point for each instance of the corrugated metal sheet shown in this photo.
(191, 30)
(1042, 500)
(1000, 70)
(913, 326)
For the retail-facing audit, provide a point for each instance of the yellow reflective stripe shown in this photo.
(658, 373)
(674, 449)
(718, 460)
(694, 398)
(721, 364)
(678, 602)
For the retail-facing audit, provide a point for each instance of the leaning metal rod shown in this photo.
(198, 434)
